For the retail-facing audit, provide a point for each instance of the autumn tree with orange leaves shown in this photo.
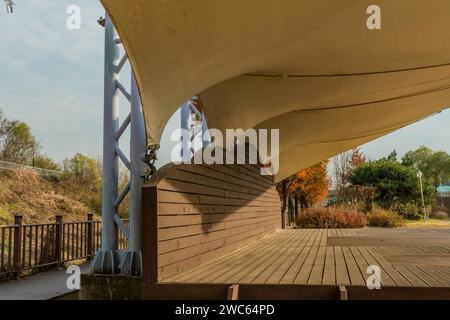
(305, 188)
(310, 185)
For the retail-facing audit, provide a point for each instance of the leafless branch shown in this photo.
(9, 6)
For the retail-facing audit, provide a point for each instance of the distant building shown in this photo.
(331, 198)
(443, 191)
(443, 196)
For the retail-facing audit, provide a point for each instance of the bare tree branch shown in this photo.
(9, 6)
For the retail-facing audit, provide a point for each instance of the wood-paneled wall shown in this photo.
(193, 213)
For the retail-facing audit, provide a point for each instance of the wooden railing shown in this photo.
(28, 248)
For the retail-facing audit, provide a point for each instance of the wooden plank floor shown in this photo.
(406, 257)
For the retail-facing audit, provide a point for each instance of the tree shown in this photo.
(417, 158)
(2, 121)
(439, 167)
(306, 187)
(44, 162)
(283, 188)
(3, 126)
(341, 164)
(17, 143)
(392, 156)
(435, 165)
(393, 182)
(81, 180)
(344, 164)
(310, 185)
(357, 159)
(82, 170)
(9, 6)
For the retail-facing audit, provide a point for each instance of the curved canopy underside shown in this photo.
(309, 68)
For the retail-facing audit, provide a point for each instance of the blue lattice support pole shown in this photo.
(110, 127)
(111, 259)
(138, 148)
(106, 260)
(185, 114)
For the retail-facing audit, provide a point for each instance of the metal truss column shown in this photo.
(187, 110)
(185, 114)
(109, 258)
(133, 262)
(106, 258)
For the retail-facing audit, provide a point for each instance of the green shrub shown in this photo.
(322, 218)
(408, 210)
(383, 218)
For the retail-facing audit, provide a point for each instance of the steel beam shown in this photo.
(138, 148)
(110, 127)
(205, 133)
(123, 127)
(186, 111)
(110, 259)
(185, 114)
(106, 260)
(123, 90)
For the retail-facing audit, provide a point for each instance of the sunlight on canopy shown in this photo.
(309, 68)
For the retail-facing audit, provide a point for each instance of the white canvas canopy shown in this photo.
(309, 68)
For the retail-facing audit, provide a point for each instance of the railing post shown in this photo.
(90, 236)
(17, 244)
(58, 238)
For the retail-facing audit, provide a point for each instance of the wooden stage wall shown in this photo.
(193, 213)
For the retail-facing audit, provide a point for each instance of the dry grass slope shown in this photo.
(36, 198)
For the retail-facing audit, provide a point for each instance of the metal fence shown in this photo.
(5, 165)
(28, 248)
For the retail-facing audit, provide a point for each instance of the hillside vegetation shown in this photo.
(73, 194)
(38, 199)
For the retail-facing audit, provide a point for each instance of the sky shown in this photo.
(52, 79)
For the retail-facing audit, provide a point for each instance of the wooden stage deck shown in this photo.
(407, 258)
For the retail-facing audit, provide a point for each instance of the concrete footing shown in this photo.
(110, 287)
(120, 287)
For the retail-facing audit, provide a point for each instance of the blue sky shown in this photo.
(52, 78)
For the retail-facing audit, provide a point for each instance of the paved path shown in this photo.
(40, 286)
